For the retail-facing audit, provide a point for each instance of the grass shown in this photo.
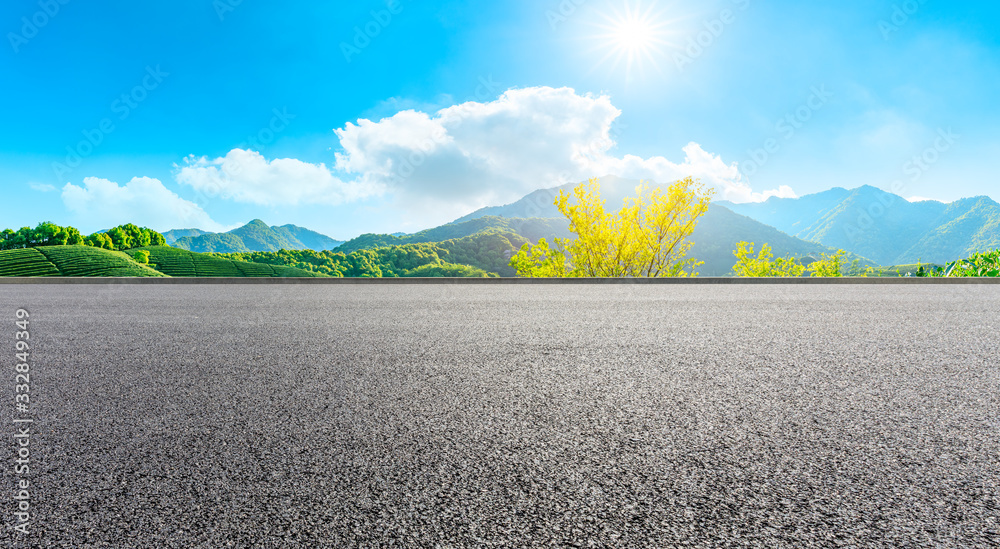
(896, 271)
(182, 263)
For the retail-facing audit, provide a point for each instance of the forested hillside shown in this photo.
(410, 260)
(531, 229)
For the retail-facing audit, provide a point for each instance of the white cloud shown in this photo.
(42, 187)
(436, 166)
(246, 176)
(698, 163)
(476, 154)
(924, 199)
(102, 204)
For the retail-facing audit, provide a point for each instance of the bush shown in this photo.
(141, 256)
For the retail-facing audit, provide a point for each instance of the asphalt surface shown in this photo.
(508, 416)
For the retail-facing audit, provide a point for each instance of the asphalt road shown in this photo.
(507, 416)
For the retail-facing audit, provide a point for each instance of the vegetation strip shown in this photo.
(502, 281)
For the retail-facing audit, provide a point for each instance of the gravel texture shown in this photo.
(509, 416)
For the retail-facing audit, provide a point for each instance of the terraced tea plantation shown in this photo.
(26, 262)
(86, 261)
(71, 261)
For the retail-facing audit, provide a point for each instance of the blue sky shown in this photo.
(354, 117)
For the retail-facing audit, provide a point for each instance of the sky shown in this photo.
(396, 116)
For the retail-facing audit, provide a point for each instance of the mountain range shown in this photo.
(882, 226)
(873, 226)
(714, 239)
(255, 236)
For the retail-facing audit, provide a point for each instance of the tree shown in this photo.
(99, 240)
(141, 256)
(764, 264)
(829, 266)
(539, 261)
(47, 234)
(6, 239)
(646, 238)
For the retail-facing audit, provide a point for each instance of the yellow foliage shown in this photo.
(646, 238)
(764, 265)
(830, 266)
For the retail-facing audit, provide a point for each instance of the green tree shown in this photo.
(99, 240)
(141, 256)
(646, 238)
(985, 264)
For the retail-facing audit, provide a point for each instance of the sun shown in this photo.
(632, 37)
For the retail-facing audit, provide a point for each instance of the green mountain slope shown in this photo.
(966, 227)
(780, 214)
(82, 261)
(409, 260)
(183, 263)
(531, 229)
(720, 230)
(883, 226)
(873, 223)
(255, 236)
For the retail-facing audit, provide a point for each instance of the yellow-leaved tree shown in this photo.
(829, 266)
(764, 264)
(648, 237)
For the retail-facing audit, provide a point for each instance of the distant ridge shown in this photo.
(173, 235)
(255, 236)
(882, 226)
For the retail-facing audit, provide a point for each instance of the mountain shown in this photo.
(970, 225)
(172, 236)
(534, 216)
(720, 230)
(255, 236)
(531, 229)
(883, 226)
(540, 203)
